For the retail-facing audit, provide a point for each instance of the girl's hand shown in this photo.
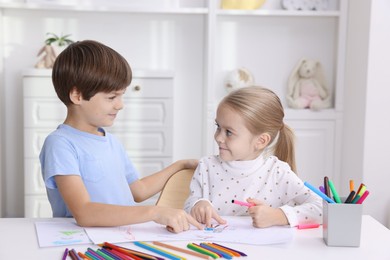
(176, 220)
(265, 216)
(203, 212)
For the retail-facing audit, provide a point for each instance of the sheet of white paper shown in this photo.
(60, 233)
(238, 230)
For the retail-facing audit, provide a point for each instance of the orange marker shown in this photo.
(351, 185)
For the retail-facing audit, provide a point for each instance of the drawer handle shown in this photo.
(137, 88)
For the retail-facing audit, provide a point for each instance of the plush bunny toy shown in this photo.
(47, 56)
(307, 87)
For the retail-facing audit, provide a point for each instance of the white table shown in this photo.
(19, 241)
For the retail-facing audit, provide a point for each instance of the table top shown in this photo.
(307, 243)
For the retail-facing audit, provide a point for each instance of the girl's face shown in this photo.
(235, 141)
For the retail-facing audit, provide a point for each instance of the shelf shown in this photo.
(307, 114)
(105, 8)
(273, 12)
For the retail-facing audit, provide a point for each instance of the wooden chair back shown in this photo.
(176, 190)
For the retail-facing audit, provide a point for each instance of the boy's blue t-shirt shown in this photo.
(101, 161)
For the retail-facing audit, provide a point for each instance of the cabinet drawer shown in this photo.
(50, 112)
(314, 149)
(139, 88)
(149, 142)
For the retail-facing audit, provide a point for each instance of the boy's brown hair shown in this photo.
(90, 67)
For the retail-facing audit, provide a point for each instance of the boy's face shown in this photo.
(102, 109)
(235, 141)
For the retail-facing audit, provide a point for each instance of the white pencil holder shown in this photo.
(342, 224)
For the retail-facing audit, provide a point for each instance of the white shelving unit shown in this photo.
(201, 43)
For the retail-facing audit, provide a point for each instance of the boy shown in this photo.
(86, 170)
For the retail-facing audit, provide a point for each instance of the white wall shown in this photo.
(367, 125)
(1, 120)
(377, 126)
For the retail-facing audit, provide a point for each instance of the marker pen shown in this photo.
(306, 226)
(243, 203)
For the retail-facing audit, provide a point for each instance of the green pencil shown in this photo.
(202, 250)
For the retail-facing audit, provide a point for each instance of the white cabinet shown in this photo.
(144, 126)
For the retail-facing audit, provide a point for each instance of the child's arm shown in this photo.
(265, 216)
(152, 184)
(88, 213)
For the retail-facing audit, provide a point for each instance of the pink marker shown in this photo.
(306, 226)
(243, 203)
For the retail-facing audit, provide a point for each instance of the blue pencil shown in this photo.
(318, 192)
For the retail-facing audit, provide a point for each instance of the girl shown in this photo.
(256, 162)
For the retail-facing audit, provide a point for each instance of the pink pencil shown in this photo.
(243, 203)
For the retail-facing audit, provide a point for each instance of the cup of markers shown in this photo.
(342, 216)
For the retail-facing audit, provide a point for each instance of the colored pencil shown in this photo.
(93, 252)
(130, 252)
(232, 252)
(104, 255)
(72, 253)
(241, 253)
(123, 256)
(107, 252)
(217, 251)
(91, 256)
(65, 254)
(83, 256)
(199, 249)
(158, 250)
(182, 250)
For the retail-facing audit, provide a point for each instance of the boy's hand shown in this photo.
(265, 216)
(176, 220)
(204, 212)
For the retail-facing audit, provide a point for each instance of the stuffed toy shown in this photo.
(47, 56)
(238, 78)
(307, 87)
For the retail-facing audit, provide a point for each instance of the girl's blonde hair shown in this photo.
(263, 112)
